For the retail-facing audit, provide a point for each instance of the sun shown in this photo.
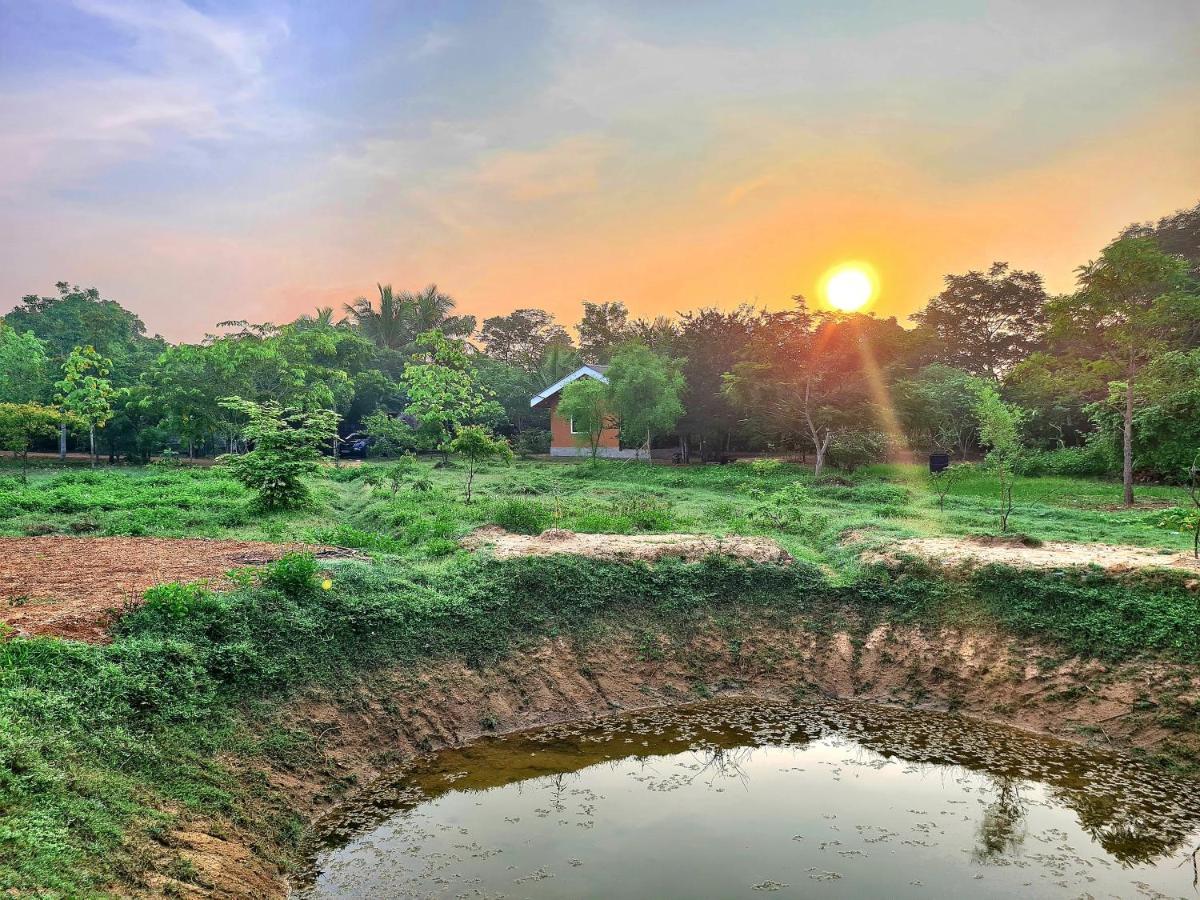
(849, 286)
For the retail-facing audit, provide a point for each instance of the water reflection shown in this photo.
(733, 798)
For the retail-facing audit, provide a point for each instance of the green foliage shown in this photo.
(522, 516)
(937, 408)
(86, 391)
(443, 391)
(587, 404)
(533, 441)
(645, 392)
(477, 445)
(984, 322)
(23, 423)
(24, 366)
(295, 574)
(390, 435)
(854, 448)
(1000, 432)
(1094, 459)
(286, 447)
(644, 512)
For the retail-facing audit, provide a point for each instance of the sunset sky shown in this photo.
(228, 160)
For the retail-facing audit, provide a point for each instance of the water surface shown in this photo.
(737, 799)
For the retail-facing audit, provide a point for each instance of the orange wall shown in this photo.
(560, 432)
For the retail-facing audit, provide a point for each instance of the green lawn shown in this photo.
(422, 518)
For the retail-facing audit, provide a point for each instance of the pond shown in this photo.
(740, 798)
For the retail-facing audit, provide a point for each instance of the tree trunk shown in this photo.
(649, 458)
(62, 441)
(92, 443)
(191, 450)
(1127, 444)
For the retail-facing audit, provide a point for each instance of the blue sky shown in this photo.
(215, 160)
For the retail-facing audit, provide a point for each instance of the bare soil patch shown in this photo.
(73, 587)
(624, 547)
(1050, 555)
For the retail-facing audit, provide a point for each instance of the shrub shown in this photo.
(644, 513)
(765, 468)
(287, 446)
(1093, 460)
(295, 574)
(521, 516)
(851, 450)
(533, 441)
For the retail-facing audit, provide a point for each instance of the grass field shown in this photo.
(422, 515)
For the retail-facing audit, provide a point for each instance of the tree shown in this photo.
(1166, 419)
(1133, 302)
(86, 391)
(711, 342)
(24, 366)
(809, 377)
(23, 423)
(1000, 432)
(285, 446)
(603, 328)
(522, 338)
(80, 317)
(477, 445)
(645, 391)
(587, 404)
(391, 435)
(937, 407)
(1177, 234)
(400, 318)
(443, 391)
(984, 322)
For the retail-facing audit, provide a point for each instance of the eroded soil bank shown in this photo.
(360, 733)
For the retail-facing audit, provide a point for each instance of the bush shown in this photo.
(295, 574)
(852, 450)
(1093, 460)
(522, 516)
(645, 513)
(287, 446)
(533, 441)
(766, 468)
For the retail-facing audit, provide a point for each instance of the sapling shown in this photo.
(477, 445)
(1000, 429)
(1182, 518)
(943, 482)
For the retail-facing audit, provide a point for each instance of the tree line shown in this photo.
(1105, 379)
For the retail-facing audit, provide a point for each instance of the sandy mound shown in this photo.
(1014, 552)
(643, 547)
(73, 587)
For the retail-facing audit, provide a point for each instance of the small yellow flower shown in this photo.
(327, 584)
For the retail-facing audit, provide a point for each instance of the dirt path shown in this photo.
(625, 547)
(73, 587)
(1050, 555)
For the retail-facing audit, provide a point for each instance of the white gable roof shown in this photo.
(596, 372)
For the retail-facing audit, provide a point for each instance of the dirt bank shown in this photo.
(73, 588)
(1049, 555)
(392, 715)
(624, 547)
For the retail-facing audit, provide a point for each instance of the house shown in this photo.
(564, 440)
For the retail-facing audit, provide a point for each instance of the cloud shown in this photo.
(185, 77)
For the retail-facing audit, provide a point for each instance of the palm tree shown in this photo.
(401, 317)
(385, 325)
